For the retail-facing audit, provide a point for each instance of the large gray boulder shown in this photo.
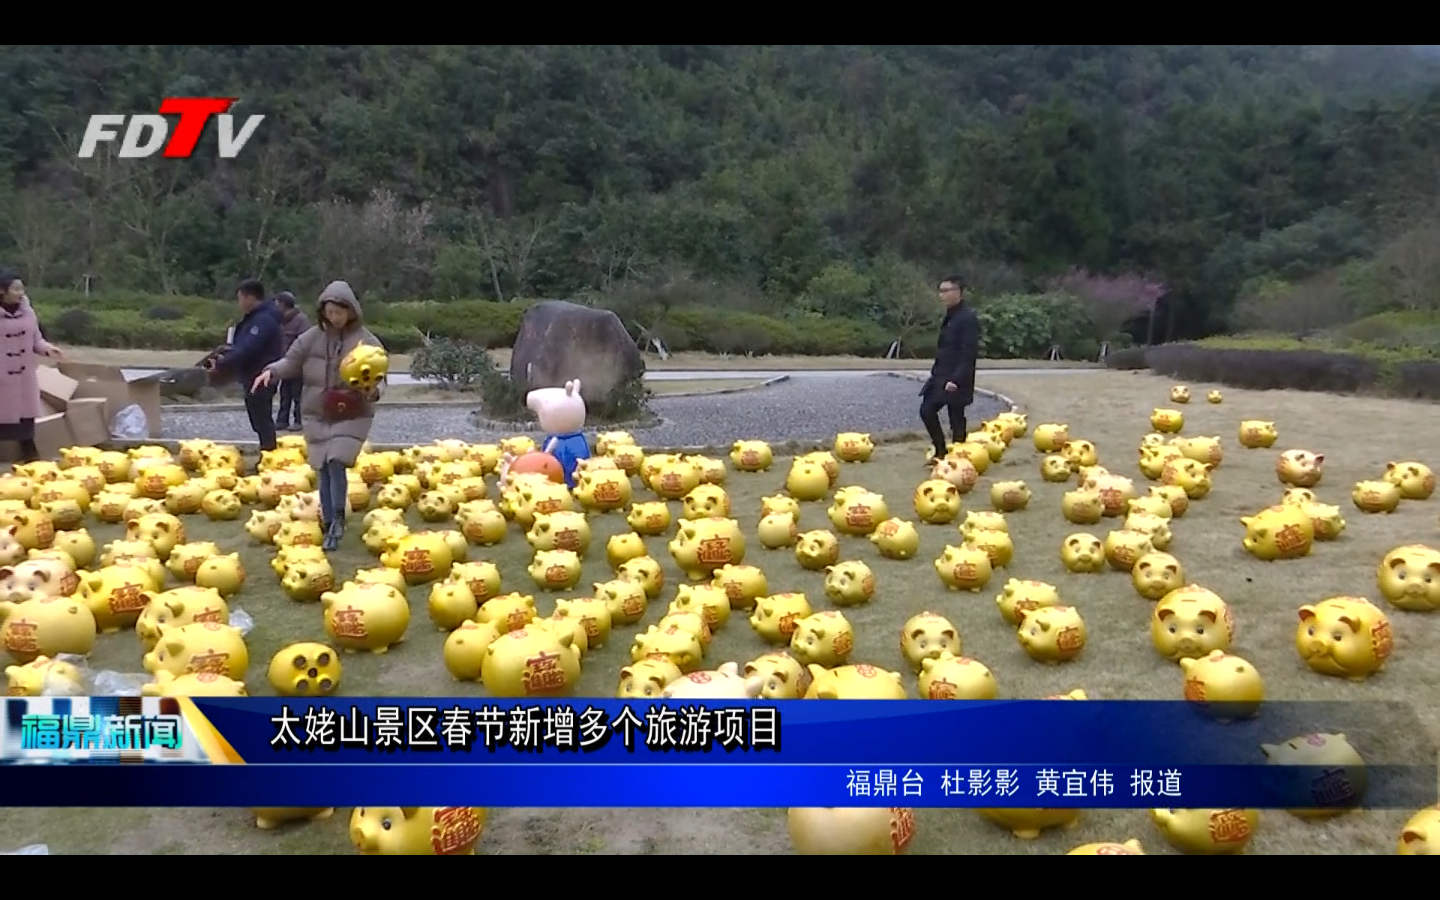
(560, 341)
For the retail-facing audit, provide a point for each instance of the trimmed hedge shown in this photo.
(1018, 326)
(1281, 367)
(128, 320)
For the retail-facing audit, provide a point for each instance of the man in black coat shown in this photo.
(257, 343)
(951, 385)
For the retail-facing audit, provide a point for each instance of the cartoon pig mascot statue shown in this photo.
(561, 412)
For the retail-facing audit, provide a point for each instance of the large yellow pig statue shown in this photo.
(417, 830)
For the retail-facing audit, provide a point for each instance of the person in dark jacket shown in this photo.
(293, 323)
(951, 385)
(258, 343)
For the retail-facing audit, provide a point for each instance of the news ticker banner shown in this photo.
(607, 753)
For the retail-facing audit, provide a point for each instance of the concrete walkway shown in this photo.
(729, 374)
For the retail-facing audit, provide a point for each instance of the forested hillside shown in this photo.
(797, 182)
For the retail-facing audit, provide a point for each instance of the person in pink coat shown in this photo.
(20, 343)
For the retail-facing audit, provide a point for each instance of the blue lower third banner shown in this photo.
(451, 731)
(608, 753)
(679, 784)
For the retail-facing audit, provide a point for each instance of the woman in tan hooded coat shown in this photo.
(332, 445)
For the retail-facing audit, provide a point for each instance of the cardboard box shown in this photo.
(52, 432)
(108, 383)
(89, 420)
(56, 388)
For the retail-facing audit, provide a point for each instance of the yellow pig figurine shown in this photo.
(646, 679)
(856, 511)
(1052, 634)
(563, 530)
(742, 585)
(1416, 481)
(807, 481)
(555, 570)
(1226, 685)
(1348, 637)
(366, 616)
(200, 647)
(1123, 548)
(1021, 597)
(778, 530)
(45, 677)
(964, 568)
(1207, 832)
(853, 447)
(46, 626)
(1375, 496)
(1082, 507)
(1279, 532)
(1409, 578)
(869, 831)
(530, 662)
(927, 635)
(1300, 468)
(417, 830)
(644, 571)
(781, 675)
(775, 617)
(896, 539)
(951, 677)
(1167, 421)
(1055, 469)
(824, 638)
(116, 596)
(464, 650)
(179, 606)
(815, 550)
(1190, 623)
(751, 456)
(307, 669)
(1083, 553)
(849, 583)
(1009, 496)
(1421, 835)
(859, 682)
(1341, 787)
(705, 501)
(937, 502)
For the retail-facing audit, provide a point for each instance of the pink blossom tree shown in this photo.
(1113, 299)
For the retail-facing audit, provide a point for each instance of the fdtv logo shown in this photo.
(147, 133)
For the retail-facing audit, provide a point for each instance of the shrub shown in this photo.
(1026, 326)
(1419, 380)
(1128, 359)
(164, 314)
(453, 365)
(1267, 370)
(70, 326)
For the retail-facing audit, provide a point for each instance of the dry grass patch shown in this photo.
(1111, 409)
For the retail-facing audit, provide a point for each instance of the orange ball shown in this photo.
(542, 463)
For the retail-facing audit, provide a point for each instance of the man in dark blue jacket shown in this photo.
(951, 385)
(257, 343)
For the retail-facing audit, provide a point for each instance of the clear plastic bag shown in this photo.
(130, 423)
(119, 684)
(31, 850)
(241, 621)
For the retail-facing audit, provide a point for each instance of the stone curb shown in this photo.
(994, 395)
(781, 449)
(454, 404)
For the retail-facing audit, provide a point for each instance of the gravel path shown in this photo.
(798, 409)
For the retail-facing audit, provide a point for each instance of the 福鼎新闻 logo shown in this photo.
(144, 135)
